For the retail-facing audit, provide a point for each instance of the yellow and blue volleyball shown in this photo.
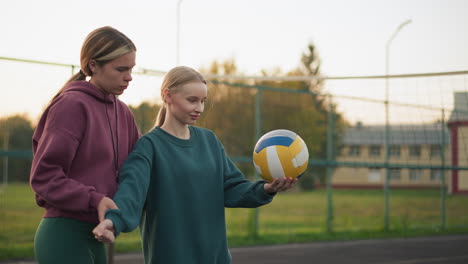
(280, 153)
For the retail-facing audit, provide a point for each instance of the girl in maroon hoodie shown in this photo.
(82, 139)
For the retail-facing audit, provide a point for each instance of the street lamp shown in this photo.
(178, 32)
(387, 121)
(387, 53)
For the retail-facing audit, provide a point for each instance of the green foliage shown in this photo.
(231, 111)
(305, 114)
(310, 179)
(145, 115)
(16, 134)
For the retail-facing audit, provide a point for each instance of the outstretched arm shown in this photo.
(131, 195)
(240, 192)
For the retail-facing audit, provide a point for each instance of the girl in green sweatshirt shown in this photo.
(178, 180)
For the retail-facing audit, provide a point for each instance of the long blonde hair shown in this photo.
(102, 45)
(173, 80)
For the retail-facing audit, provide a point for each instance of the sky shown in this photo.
(350, 36)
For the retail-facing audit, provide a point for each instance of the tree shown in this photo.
(17, 131)
(307, 115)
(145, 115)
(229, 111)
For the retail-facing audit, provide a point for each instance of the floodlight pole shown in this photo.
(387, 122)
(178, 32)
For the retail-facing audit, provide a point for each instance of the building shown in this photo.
(417, 154)
(415, 151)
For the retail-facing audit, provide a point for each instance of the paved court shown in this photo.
(432, 250)
(447, 249)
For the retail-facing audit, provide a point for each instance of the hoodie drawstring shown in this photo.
(115, 145)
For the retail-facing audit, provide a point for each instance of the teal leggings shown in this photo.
(65, 240)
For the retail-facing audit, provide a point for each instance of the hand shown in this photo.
(104, 205)
(104, 232)
(279, 185)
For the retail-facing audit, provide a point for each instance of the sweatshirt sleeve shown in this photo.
(54, 152)
(131, 194)
(240, 192)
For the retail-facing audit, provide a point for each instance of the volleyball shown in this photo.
(280, 153)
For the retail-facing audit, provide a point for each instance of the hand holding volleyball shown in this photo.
(280, 154)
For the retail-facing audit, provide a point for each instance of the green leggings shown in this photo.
(65, 240)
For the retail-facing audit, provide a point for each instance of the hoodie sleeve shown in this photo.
(54, 151)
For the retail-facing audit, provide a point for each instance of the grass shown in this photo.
(292, 217)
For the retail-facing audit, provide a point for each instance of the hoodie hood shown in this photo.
(89, 89)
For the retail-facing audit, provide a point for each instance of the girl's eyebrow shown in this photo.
(125, 66)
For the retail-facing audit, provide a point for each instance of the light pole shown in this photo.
(387, 53)
(387, 122)
(178, 32)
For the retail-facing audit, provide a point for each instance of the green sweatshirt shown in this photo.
(176, 190)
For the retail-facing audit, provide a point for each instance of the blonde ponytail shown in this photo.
(161, 115)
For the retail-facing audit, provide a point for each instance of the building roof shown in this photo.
(460, 111)
(430, 134)
(458, 115)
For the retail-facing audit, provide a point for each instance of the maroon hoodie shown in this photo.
(75, 146)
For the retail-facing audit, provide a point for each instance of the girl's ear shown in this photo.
(166, 95)
(92, 65)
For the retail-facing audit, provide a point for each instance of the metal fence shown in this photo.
(392, 103)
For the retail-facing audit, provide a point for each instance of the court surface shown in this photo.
(433, 250)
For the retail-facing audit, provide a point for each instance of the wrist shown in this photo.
(267, 189)
(109, 225)
(95, 200)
